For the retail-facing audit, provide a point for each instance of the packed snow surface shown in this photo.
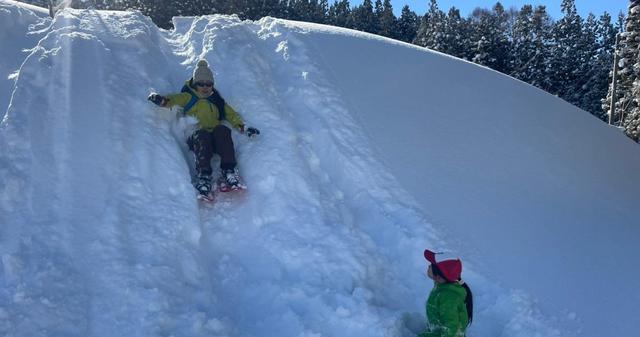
(371, 150)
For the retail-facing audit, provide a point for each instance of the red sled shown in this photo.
(223, 187)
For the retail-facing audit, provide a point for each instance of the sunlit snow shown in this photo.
(370, 151)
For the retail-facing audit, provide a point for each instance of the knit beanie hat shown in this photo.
(202, 73)
(451, 269)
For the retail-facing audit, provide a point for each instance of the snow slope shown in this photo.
(523, 181)
(371, 150)
(23, 24)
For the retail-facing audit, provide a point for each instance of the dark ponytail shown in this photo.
(469, 302)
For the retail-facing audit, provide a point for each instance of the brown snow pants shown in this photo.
(205, 143)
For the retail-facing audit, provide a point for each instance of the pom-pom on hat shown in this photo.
(451, 269)
(202, 73)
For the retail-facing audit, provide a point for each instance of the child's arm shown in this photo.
(180, 99)
(233, 117)
(170, 100)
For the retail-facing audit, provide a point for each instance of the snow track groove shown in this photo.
(310, 209)
(95, 223)
(101, 232)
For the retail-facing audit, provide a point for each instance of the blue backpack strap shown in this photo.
(215, 99)
(192, 101)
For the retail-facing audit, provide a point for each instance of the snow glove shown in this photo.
(157, 99)
(249, 131)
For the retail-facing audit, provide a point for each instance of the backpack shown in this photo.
(215, 99)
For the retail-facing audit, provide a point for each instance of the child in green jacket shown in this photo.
(450, 304)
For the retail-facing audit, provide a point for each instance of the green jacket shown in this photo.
(205, 111)
(446, 311)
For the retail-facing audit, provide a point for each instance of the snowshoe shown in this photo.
(230, 181)
(203, 185)
(206, 197)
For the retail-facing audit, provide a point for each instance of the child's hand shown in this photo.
(157, 99)
(250, 131)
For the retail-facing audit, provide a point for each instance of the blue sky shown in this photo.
(584, 7)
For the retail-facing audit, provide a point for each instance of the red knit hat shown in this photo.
(451, 269)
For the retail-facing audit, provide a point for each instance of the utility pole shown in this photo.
(52, 10)
(612, 107)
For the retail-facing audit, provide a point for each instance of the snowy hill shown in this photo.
(22, 23)
(371, 150)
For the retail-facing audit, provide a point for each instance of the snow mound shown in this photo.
(22, 28)
(371, 150)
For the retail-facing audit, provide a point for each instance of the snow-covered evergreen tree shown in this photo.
(320, 11)
(566, 58)
(431, 31)
(160, 12)
(524, 47)
(457, 35)
(304, 10)
(490, 30)
(377, 10)
(408, 24)
(588, 70)
(629, 81)
(340, 14)
(542, 28)
(481, 52)
(599, 39)
(386, 19)
(274, 8)
(364, 18)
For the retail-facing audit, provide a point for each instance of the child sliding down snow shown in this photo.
(201, 100)
(450, 303)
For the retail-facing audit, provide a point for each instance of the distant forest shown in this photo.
(571, 57)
